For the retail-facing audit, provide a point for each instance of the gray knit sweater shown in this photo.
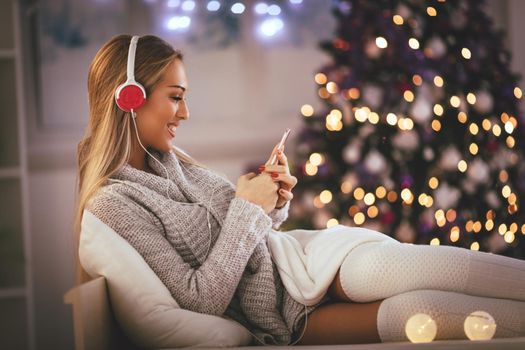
(237, 279)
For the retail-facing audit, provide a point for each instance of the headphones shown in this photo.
(130, 95)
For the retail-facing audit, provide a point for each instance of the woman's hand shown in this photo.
(260, 190)
(283, 176)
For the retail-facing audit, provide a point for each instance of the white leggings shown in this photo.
(446, 282)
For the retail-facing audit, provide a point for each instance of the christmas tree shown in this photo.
(420, 134)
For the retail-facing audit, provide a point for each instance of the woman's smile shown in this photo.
(171, 130)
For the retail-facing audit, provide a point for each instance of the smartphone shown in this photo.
(273, 160)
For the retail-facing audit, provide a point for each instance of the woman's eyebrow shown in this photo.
(178, 86)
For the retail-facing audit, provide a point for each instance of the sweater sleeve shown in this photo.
(208, 288)
(279, 216)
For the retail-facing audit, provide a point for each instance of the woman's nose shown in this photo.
(183, 111)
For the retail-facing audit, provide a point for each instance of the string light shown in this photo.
(354, 93)
(307, 110)
(433, 183)
(369, 198)
(213, 6)
(320, 78)
(471, 98)
(310, 169)
(325, 196)
(417, 80)
(436, 125)
(332, 87)
(473, 128)
(373, 118)
(413, 43)
(317, 202)
(462, 117)
(346, 187)
(359, 193)
(237, 8)
(391, 119)
(316, 159)
(454, 234)
(407, 196)
(496, 130)
(454, 101)
(408, 96)
(517, 92)
(372, 212)
(332, 222)
(434, 241)
(421, 328)
(391, 196)
(431, 11)
(479, 325)
(354, 209)
(509, 127)
(474, 246)
(380, 192)
(359, 218)
(473, 149)
(462, 166)
(405, 123)
(438, 109)
(506, 191)
(381, 42)
(466, 53)
(438, 81)
(397, 19)
(503, 176)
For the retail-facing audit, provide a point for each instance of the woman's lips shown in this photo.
(171, 130)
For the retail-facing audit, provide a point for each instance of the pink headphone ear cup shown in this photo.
(130, 96)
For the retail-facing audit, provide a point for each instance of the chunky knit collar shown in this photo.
(188, 183)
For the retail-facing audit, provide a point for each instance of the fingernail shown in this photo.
(262, 167)
(274, 175)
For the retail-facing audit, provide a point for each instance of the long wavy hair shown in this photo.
(106, 144)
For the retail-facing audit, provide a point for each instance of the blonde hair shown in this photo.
(106, 145)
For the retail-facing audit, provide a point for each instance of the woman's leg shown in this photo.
(448, 310)
(342, 323)
(376, 271)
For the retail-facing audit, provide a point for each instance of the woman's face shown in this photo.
(158, 119)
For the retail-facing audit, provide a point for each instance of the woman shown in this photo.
(206, 238)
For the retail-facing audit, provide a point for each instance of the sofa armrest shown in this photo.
(94, 324)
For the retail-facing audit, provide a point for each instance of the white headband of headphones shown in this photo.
(131, 58)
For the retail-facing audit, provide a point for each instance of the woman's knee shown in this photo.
(366, 268)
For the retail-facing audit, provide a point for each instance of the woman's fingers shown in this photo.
(289, 180)
(287, 195)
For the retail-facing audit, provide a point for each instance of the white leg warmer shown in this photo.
(449, 310)
(378, 270)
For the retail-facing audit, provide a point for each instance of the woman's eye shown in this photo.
(177, 98)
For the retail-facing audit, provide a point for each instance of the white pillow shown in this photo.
(142, 304)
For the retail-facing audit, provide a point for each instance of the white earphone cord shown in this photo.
(210, 235)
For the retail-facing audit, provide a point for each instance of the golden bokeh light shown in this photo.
(320, 78)
(466, 53)
(397, 19)
(438, 81)
(307, 110)
(325, 196)
(381, 42)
